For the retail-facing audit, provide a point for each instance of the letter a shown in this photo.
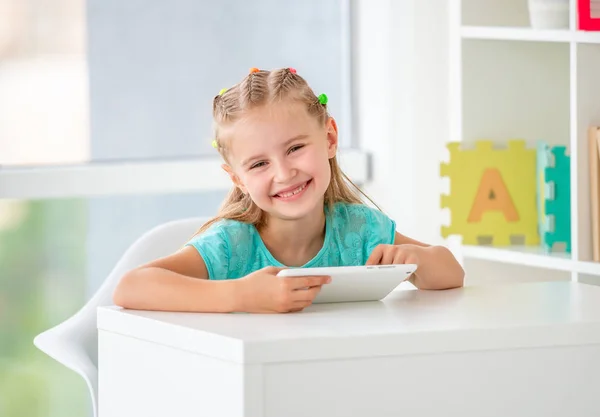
(492, 194)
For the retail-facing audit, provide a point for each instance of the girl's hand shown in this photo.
(395, 254)
(264, 292)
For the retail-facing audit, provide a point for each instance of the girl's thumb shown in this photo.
(273, 270)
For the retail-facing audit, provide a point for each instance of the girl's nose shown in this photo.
(284, 172)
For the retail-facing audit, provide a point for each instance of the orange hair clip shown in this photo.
(253, 70)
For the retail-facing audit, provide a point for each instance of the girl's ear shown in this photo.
(332, 137)
(234, 178)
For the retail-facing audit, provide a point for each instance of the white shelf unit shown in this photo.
(510, 81)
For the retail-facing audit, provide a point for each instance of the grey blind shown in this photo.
(155, 65)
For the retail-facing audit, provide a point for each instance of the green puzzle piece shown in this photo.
(557, 203)
(542, 161)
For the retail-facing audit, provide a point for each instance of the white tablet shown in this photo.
(355, 283)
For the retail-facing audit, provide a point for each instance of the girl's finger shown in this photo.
(301, 304)
(400, 258)
(306, 295)
(389, 255)
(376, 255)
(300, 283)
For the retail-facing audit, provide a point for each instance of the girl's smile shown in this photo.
(292, 193)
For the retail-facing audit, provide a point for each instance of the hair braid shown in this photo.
(282, 82)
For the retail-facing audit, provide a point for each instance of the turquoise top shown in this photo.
(232, 249)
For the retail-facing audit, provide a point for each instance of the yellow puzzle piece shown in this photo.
(492, 193)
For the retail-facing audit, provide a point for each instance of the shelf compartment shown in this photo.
(588, 114)
(515, 90)
(495, 13)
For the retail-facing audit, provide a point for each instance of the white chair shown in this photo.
(74, 342)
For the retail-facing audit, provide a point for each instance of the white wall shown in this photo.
(401, 79)
(431, 111)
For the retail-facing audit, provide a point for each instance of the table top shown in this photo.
(412, 321)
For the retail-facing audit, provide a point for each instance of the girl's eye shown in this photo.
(296, 148)
(258, 165)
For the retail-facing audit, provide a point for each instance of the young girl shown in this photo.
(291, 206)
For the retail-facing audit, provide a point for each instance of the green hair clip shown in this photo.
(222, 91)
(323, 98)
(215, 144)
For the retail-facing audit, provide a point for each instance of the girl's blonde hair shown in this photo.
(257, 89)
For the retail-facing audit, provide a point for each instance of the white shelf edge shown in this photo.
(586, 37)
(517, 34)
(574, 150)
(529, 34)
(560, 262)
(589, 268)
(554, 261)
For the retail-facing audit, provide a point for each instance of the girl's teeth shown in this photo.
(291, 193)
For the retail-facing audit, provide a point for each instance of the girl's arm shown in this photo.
(178, 282)
(437, 266)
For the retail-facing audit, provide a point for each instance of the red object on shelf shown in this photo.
(584, 12)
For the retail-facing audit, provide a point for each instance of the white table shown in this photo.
(511, 350)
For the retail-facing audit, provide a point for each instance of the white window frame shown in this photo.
(143, 177)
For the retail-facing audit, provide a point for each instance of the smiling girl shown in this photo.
(290, 206)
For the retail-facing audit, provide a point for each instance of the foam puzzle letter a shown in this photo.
(492, 193)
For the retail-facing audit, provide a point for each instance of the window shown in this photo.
(55, 253)
(143, 75)
(43, 82)
(105, 133)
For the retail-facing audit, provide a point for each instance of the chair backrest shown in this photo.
(74, 342)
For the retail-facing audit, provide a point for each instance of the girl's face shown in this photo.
(279, 155)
